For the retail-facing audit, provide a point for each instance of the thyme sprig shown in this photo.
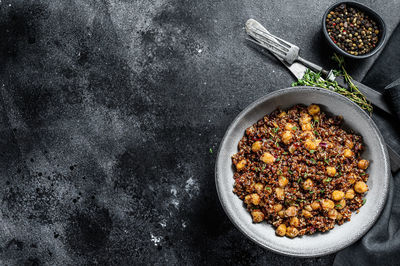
(353, 93)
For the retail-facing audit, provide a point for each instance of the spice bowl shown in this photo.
(367, 34)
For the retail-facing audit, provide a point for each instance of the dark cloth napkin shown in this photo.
(381, 245)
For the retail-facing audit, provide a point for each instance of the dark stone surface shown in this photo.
(111, 114)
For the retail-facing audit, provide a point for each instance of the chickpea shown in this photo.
(363, 164)
(294, 221)
(252, 199)
(305, 118)
(349, 144)
(308, 184)
(341, 204)
(310, 144)
(351, 178)
(278, 207)
(255, 198)
(287, 137)
(331, 171)
(291, 211)
(280, 193)
(337, 195)
(241, 164)
(281, 214)
(290, 126)
(283, 181)
(349, 194)
(247, 199)
(332, 214)
(313, 109)
(348, 153)
(306, 214)
(256, 146)
(327, 204)
(267, 158)
(360, 187)
(282, 114)
(306, 127)
(259, 187)
(292, 232)
(308, 208)
(281, 230)
(315, 205)
(258, 216)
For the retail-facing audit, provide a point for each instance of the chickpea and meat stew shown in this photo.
(300, 171)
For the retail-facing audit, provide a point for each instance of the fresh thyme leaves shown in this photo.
(299, 180)
(353, 93)
(329, 179)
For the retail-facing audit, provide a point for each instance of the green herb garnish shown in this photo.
(290, 172)
(322, 191)
(338, 205)
(353, 93)
(211, 151)
(294, 128)
(364, 201)
(275, 130)
(312, 151)
(299, 180)
(329, 179)
(313, 161)
(267, 188)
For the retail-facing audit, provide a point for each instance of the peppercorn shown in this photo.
(352, 30)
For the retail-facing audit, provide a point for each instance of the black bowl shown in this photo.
(372, 14)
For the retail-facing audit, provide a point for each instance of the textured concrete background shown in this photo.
(111, 113)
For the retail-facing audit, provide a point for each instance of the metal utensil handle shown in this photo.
(312, 66)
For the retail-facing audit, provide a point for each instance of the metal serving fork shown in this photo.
(284, 49)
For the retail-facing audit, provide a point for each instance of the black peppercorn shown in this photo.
(352, 30)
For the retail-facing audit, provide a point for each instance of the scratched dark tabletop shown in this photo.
(111, 113)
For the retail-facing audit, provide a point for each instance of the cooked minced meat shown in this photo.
(300, 171)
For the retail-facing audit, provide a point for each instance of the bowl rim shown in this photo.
(385, 159)
(363, 8)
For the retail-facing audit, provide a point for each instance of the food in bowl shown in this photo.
(300, 171)
(352, 30)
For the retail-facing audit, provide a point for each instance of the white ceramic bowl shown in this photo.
(317, 244)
